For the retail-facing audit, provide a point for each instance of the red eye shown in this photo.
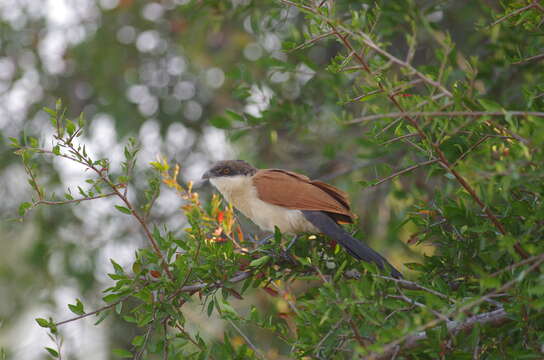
(225, 171)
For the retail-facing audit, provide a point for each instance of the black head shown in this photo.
(229, 168)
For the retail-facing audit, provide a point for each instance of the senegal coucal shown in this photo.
(292, 202)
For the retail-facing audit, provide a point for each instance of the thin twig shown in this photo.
(329, 333)
(407, 300)
(311, 41)
(470, 149)
(92, 312)
(199, 286)
(368, 42)
(399, 138)
(247, 340)
(509, 132)
(388, 126)
(446, 114)
(410, 285)
(361, 340)
(148, 332)
(359, 97)
(188, 337)
(47, 202)
(516, 265)
(165, 348)
(513, 13)
(403, 171)
(285, 296)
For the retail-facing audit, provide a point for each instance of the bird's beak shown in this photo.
(206, 175)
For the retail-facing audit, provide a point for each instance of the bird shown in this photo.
(291, 202)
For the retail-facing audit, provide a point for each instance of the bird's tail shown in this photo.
(354, 247)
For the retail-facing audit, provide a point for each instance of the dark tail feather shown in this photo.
(354, 247)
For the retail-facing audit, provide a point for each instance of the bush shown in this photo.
(456, 137)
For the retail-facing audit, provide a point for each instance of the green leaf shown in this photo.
(146, 319)
(136, 267)
(111, 298)
(490, 105)
(277, 234)
(138, 340)
(53, 115)
(234, 136)
(33, 142)
(260, 261)
(102, 316)
(81, 120)
(14, 142)
(234, 115)
(121, 353)
(56, 150)
(489, 282)
(159, 166)
(119, 308)
(43, 322)
(228, 309)
(220, 122)
(123, 209)
(23, 208)
(210, 308)
(70, 127)
(77, 308)
(52, 352)
(118, 268)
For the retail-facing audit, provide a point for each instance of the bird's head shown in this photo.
(229, 168)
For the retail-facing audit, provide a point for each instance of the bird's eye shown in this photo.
(225, 171)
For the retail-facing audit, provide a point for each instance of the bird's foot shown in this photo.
(284, 253)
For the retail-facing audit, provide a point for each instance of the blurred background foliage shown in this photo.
(199, 81)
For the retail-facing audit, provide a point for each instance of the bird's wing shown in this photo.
(296, 191)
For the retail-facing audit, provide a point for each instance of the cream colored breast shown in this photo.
(240, 191)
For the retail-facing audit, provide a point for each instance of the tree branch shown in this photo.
(492, 317)
(513, 13)
(411, 340)
(529, 59)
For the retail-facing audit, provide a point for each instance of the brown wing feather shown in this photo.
(336, 193)
(296, 191)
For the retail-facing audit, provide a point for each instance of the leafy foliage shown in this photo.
(452, 130)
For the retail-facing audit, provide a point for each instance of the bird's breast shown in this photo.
(240, 191)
